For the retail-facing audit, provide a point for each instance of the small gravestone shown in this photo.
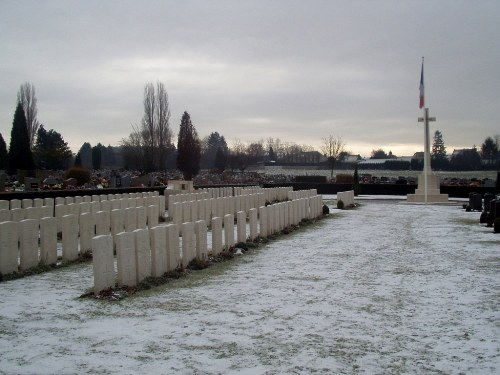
(496, 213)
(477, 202)
(488, 197)
(125, 182)
(32, 184)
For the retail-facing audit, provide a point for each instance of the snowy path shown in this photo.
(388, 288)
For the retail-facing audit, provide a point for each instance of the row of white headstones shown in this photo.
(24, 243)
(153, 251)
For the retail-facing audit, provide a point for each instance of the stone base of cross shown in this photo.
(428, 190)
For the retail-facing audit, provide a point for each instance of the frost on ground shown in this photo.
(387, 288)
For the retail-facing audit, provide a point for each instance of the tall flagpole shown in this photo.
(425, 119)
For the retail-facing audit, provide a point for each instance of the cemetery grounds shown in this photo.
(386, 288)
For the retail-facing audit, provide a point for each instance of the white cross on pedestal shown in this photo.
(427, 155)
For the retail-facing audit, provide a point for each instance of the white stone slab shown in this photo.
(15, 203)
(188, 243)
(153, 215)
(4, 215)
(4, 205)
(9, 237)
(17, 214)
(126, 259)
(87, 232)
(143, 253)
(158, 240)
(201, 240)
(130, 219)
(102, 223)
(173, 247)
(26, 203)
(38, 202)
(69, 238)
(142, 217)
(48, 240)
(28, 244)
(103, 263)
(216, 228)
(263, 225)
(241, 226)
(228, 231)
(252, 217)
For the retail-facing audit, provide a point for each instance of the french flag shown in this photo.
(422, 101)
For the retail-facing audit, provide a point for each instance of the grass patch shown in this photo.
(119, 293)
(42, 268)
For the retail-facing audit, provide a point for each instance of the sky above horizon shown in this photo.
(294, 70)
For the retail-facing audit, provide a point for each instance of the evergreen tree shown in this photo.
(210, 146)
(438, 153)
(50, 151)
(86, 155)
(3, 154)
(78, 160)
(97, 156)
(188, 148)
(489, 151)
(220, 159)
(355, 182)
(20, 155)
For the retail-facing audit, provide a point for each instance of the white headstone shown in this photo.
(26, 203)
(153, 215)
(201, 240)
(102, 223)
(263, 227)
(241, 226)
(228, 231)
(87, 232)
(48, 240)
(158, 239)
(28, 243)
(117, 221)
(188, 243)
(252, 216)
(126, 259)
(173, 247)
(142, 217)
(143, 253)
(130, 219)
(69, 238)
(103, 263)
(9, 237)
(216, 235)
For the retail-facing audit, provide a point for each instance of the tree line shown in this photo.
(150, 146)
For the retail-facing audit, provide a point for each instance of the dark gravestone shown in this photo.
(491, 206)
(497, 209)
(32, 184)
(488, 197)
(471, 199)
(477, 202)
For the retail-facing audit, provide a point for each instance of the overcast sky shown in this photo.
(294, 70)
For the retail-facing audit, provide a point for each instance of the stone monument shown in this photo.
(428, 184)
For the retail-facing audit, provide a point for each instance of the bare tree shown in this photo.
(26, 96)
(332, 147)
(154, 135)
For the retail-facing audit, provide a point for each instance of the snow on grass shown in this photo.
(384, 288)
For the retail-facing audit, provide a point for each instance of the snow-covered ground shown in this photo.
(388, 288)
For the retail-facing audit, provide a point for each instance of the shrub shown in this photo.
(82, 175)
(326, 210)
(468, 208)
(340, 204)
(496, 225)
